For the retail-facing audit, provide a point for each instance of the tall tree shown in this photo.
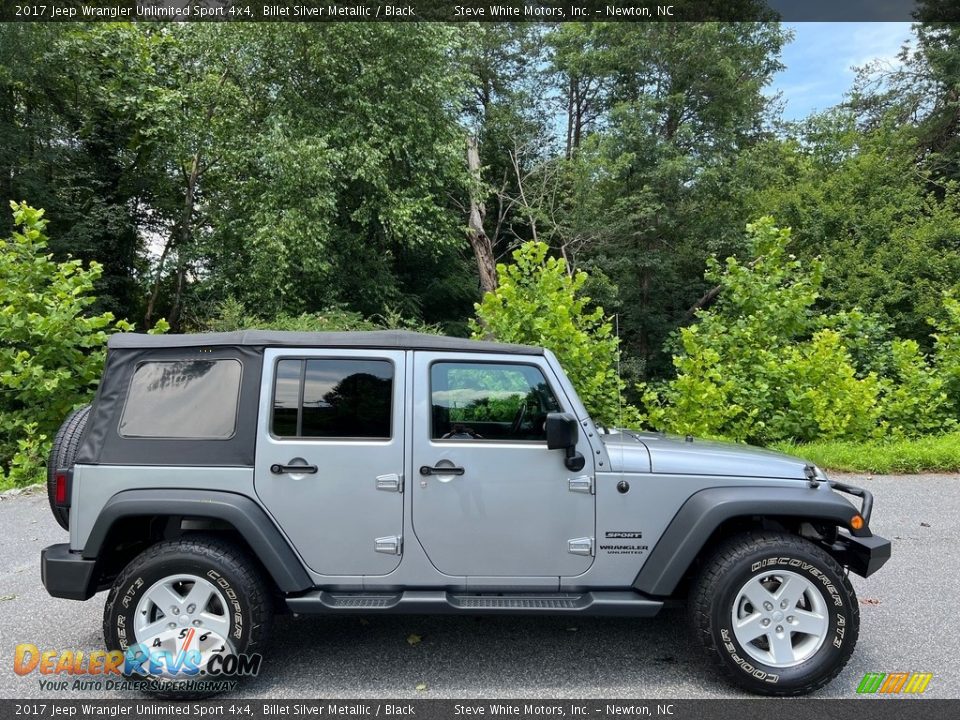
(683, 102)
(351, 172)
(71, 142)
(506, 121)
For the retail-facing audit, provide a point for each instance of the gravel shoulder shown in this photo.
(909, 621)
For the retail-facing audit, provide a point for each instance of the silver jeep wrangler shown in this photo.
(218, 478)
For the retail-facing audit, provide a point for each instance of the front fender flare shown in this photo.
(240, 511)
(704, 511)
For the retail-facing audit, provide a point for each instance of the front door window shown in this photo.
(489, 401)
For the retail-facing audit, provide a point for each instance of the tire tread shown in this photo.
(62, 454)
(727, 556)
(242, 569)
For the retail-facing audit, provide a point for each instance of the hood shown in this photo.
(631, 451)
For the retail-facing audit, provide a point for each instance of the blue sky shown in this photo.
(821, 58)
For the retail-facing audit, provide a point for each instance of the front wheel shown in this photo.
(180, 608)
(776, 613)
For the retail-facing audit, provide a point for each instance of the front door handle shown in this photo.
(278, 469)
(451, 470)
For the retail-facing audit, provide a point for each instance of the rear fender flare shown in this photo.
(241, 512)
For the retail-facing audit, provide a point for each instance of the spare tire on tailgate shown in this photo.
(62, 454)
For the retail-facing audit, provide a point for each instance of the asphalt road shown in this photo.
(909, 622)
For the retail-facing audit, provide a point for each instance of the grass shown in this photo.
(939, 453)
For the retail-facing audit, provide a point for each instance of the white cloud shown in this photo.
(821, 61)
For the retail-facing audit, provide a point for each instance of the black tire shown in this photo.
(62, 454)
(249, 608)
(713, 599)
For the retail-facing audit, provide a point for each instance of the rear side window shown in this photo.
(190, 399)
(333, 398)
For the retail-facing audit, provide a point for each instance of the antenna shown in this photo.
(616, 325)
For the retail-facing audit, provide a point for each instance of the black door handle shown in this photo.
(278, 469)
(427, 470)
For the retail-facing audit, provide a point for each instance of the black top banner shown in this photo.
(552, 11)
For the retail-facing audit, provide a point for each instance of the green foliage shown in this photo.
(947, 350)
(915, 400)
(857, 200)
(335, 191)
(669, 108)
(538, 302)
(231, 315)
(761, 365)
(935, 453)
(331, 188)
(51, 348)
(765, 366)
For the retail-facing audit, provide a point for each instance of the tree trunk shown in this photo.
(174, 318)
(180, 240)
(708, 298)
(155, 292)
(185, 229)
(479, 240)
(705, 301)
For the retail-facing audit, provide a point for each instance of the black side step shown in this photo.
(429, 602)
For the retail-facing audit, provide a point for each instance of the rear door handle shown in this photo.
(278, 469)
(427, 470)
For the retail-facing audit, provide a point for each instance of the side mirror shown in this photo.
(562, 434)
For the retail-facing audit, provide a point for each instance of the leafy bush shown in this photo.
(233, 315)
(538, 302)
(762, 365)
(915, 400)
(946, 354)
(51, 351)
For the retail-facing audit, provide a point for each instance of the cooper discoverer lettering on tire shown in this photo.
(776, 613)
(200, 593)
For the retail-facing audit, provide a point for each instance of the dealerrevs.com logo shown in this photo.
(187, 668)
(894, 683)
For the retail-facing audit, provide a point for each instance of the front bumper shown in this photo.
(67, 574)
(863, 555)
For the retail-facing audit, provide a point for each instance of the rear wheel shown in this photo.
(776, 613)
(196, 598)
(62, 454)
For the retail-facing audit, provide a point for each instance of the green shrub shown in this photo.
(762, 365)
(915, 400)
(51, 351)
(233, 315)
(538, 302)
(946, 354)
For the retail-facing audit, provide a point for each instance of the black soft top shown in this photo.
(401, 339)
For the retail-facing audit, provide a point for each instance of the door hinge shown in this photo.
(390, 483)
(581, 484)
(580, 546)
(392, 545)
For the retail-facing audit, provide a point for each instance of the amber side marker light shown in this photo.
(856, 522)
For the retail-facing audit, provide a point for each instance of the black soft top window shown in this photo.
(189, 399)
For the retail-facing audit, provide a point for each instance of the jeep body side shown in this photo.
(400, 472)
